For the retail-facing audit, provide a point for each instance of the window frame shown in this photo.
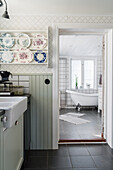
(82, 59)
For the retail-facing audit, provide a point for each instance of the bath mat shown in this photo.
(72, 119)
(75, 114)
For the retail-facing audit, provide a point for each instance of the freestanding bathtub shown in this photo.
(83, 99)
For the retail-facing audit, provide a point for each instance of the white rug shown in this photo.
(73, 118)
(75, 114)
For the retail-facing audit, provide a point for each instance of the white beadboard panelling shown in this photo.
(41, 112)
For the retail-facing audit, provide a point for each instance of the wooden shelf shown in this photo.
(17, 48)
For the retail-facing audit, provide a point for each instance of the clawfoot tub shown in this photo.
(83, 99)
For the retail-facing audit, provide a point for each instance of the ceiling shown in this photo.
(80, 45)
(60, 7)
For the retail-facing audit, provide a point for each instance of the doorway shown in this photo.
(107, 31)
(81, 63)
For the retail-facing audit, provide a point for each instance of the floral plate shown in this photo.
(24, 56)
(23, 40)
(6, 56)
(40, 57)
(6, 40)
(40, 42)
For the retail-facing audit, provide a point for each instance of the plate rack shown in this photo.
(38, 41)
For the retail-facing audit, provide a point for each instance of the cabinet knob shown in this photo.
(47, 81)
(4, 119)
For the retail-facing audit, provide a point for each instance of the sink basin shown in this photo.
(14, 107)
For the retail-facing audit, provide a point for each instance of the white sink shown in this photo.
(14, 107)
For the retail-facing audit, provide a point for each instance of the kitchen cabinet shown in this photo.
(41, 111)
(12, 146)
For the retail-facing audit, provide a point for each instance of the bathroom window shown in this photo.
(83, 73)
(76, 73)
(89, 74)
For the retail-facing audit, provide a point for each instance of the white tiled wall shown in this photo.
(65, 99)
(63, 74)
(19, 80)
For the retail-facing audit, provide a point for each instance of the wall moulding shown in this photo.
(42, 22)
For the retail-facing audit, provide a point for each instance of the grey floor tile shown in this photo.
(62, 151)
(37, 153)
(89, 130)
(103, 161)
(108, 168)
(85, 168)
(100, 159)
(97, 149)
(36, 162)
(110, 150)
(89, 136)
(35, 169)
(70, 136)
(83, 162)
(60, 169)
(59, 162)
(77, 150)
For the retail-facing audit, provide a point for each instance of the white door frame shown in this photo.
(107, 30)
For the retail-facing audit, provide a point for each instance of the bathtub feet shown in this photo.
(78, 107)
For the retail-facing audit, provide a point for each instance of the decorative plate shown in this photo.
(24, 56)
(23, 40)
(6, 56)
(40, 57)
(6, 40)
(40, 42)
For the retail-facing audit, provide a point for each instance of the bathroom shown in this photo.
(80, 86)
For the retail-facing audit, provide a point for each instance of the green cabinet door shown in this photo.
(13, 146)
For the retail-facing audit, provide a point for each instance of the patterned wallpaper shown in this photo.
(28, 22)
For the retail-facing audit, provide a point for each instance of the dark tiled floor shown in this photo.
(89, 130)
(71, 157)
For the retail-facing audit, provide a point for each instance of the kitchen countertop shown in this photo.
(27, 95)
